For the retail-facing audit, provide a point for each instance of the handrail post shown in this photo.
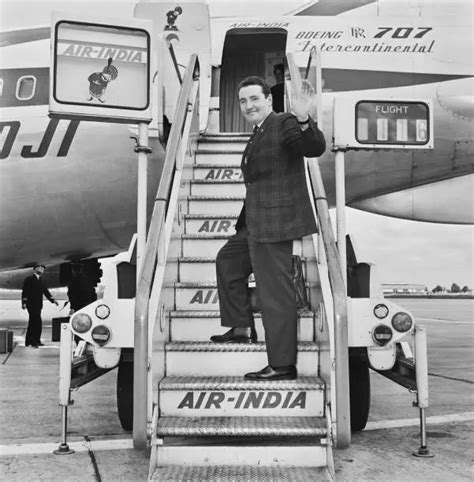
(143, 150)
(341, 212)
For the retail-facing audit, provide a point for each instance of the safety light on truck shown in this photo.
(402, 321)
(382, 334)
(102, 312)
(81, 322)
(381, 311)
(101, 334)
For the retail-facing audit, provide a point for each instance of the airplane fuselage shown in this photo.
(68, 188)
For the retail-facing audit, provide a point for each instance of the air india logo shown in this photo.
(98, 81)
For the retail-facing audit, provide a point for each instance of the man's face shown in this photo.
(39, 270)
(253, 103)
(279, 77)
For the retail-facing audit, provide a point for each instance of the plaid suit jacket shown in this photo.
(277, 205)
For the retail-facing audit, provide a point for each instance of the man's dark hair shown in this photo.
(255, 80)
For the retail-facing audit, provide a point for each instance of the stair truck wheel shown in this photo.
(125, 391)
(359, 383)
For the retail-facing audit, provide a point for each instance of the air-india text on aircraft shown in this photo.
(96, 51)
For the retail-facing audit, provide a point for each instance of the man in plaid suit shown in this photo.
(276, 211)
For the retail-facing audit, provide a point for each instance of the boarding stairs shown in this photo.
(212, 423)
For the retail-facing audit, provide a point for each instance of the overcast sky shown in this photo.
(414, 252)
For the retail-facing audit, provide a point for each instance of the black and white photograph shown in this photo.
(236, 240)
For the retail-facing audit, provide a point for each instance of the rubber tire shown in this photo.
(125, 394)
(359, 383)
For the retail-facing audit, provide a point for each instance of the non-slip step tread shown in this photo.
(240, 473)
(210, 216)
(215, 166)
(206, 236)
(215, 198)
(216, 314)
(238, 383)
(241, 426)
(217, 181)
(196, 259)
(307, 346)
(219, 152)
(195, 284)
(224, 137)
(224, 134)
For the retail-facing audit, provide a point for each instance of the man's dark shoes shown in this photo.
(40, 344)
(236, 335)
(274, 373)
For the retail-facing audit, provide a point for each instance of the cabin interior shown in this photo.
(246, 52)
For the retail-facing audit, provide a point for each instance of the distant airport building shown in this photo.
(404, 289)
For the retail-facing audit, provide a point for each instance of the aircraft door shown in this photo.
(185, 26)
(249, 52)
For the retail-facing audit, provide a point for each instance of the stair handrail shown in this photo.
(163, 45)
(340, 322)
(146, 270)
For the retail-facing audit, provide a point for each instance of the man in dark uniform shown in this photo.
(276, 211)
(278, 90)
(32, 300)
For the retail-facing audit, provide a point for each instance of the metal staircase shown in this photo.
(211, 423)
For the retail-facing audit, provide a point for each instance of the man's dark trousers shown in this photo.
(272, 264)
(35, 327)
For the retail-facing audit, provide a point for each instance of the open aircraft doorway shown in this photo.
(247, 52)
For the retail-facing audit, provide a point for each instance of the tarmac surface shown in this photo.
(31, 419)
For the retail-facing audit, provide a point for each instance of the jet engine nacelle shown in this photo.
(439, 202)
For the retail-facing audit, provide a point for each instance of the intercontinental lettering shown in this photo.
(243, 400)
(377, 47)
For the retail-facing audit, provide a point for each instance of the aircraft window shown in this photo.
(25, 87)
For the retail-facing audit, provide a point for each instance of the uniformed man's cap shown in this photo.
(38, 265)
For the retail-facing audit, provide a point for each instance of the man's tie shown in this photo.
(249, 143)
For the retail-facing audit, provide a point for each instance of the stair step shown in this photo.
(215, 204)
(200, 296)
(242, 473)
(230, 359)
(241, 427)
(209, 223)
(234, 396)
(227, 143)
(219, 158)
(197, 269)
(206, 244)
(218, 135)
(203, 187)
(201, 325)
(211, 171)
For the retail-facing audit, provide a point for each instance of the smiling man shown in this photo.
(276, 211)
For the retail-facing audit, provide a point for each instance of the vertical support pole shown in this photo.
(140, 352)
(341, 212)
(141, 193)
(421, 371)
(65, 362)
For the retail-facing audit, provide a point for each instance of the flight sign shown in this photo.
(100, 69)
(383, 123)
